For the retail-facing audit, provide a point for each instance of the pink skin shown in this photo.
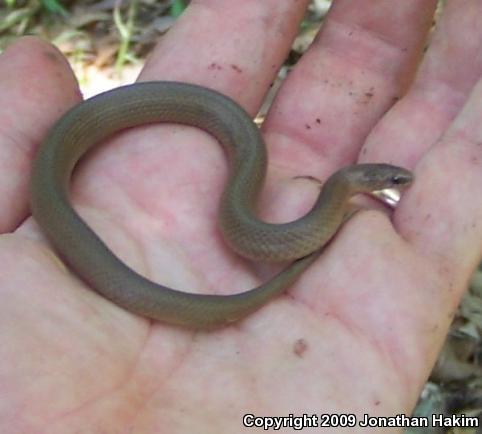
(360, 331)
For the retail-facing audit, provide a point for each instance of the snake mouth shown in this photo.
(388, 196)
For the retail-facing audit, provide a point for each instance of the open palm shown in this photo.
(361, 329)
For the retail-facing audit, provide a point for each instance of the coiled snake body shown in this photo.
(142, 103)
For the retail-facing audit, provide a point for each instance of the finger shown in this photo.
(237, 52)
(360, 63)
(448, 73)
(36, 86)
(442, 213)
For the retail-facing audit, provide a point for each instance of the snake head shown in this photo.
(366, 178)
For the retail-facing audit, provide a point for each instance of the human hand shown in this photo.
(361, 329)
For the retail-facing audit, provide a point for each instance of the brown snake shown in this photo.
(142, 103)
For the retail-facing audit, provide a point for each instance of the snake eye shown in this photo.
(401, 179)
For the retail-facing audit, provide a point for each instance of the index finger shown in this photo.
(237, 53)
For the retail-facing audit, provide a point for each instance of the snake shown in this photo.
(299, 241)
